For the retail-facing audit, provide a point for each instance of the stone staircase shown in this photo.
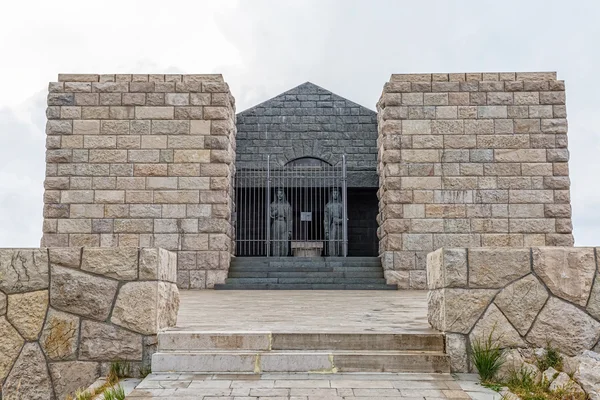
(264, 352)
(298, 273)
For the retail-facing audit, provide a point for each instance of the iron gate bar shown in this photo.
(306, 188)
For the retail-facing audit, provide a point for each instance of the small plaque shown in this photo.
(306, 216)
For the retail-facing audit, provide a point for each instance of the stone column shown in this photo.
(143, 160)
(469, 160)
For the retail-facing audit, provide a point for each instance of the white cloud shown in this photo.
(264, 47)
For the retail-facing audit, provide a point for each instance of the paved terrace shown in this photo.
(312, 387)
(304, 311)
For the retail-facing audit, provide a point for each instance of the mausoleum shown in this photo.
(457, 184)
(448, 160)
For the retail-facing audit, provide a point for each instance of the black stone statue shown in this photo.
(281, 227)
(334, 219)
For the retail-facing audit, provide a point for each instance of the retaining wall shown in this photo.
(66, 313)
(523, 297)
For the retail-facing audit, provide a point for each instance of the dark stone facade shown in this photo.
(362, 222)
(309, 121)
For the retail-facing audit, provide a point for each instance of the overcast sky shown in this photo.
(264, 47)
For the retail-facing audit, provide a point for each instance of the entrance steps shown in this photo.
(300, 273)
(258, 352)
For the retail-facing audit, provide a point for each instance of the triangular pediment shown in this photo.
(302, 96)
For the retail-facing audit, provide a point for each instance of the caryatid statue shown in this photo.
(281, 227)
(334, 219)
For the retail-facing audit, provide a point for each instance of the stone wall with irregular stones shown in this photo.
(470, 160)
(66, 313)
(143, 160)
(523, 297)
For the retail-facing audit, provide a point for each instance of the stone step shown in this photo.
(306, 265)
(306, 280)
(303, 269)
(304, 286)
(375, 263)
(265, 341)
(306, 274)
(288, 361)
(305, 259)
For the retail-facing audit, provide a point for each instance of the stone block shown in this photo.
(154, 112)
(497, 267)
(176, 196)
(133, 226)
(484, 112)
(60, 335)
(565, 326)
(567, 272)
(192, 156)
(119, 263)
(552, 98)
(10, 346)
(68, 377)
(447, 268)
(593, 306)
(520, 155)
(493, 324)
(59, 127)
(531, 196)
(23, 270)
(26, 312)
(29, 376)
(457, 310)
(136, 307)
(456, 348)
(81, 293)
(521, 302)
(100, 341)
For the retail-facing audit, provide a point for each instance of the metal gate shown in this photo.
(300, 209)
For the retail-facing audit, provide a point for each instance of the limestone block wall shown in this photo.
(470, 160)
(143, 160)
(66, 313)
(523, 297)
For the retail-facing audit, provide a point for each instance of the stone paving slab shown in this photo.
(310, 387)
(304, 311)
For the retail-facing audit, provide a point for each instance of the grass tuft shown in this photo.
(551, 358)
(117, 371)
(114, 393)
(487, 357)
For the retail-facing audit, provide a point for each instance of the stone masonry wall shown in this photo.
(66, 313)
(470, 160)
(523, 297)
(143, 160)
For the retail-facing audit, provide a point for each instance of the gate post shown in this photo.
(267, 213)
(345, 207)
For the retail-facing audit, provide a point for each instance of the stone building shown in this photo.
(448, 160)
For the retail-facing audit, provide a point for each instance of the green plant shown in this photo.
(114, 393)
(117, 371)
(522, 379)
(487, 357)
(550, 358)
(496, 387)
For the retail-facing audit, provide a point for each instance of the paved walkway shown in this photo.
(304, 311)
(309, 387)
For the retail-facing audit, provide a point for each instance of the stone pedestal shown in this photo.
(307, 249)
